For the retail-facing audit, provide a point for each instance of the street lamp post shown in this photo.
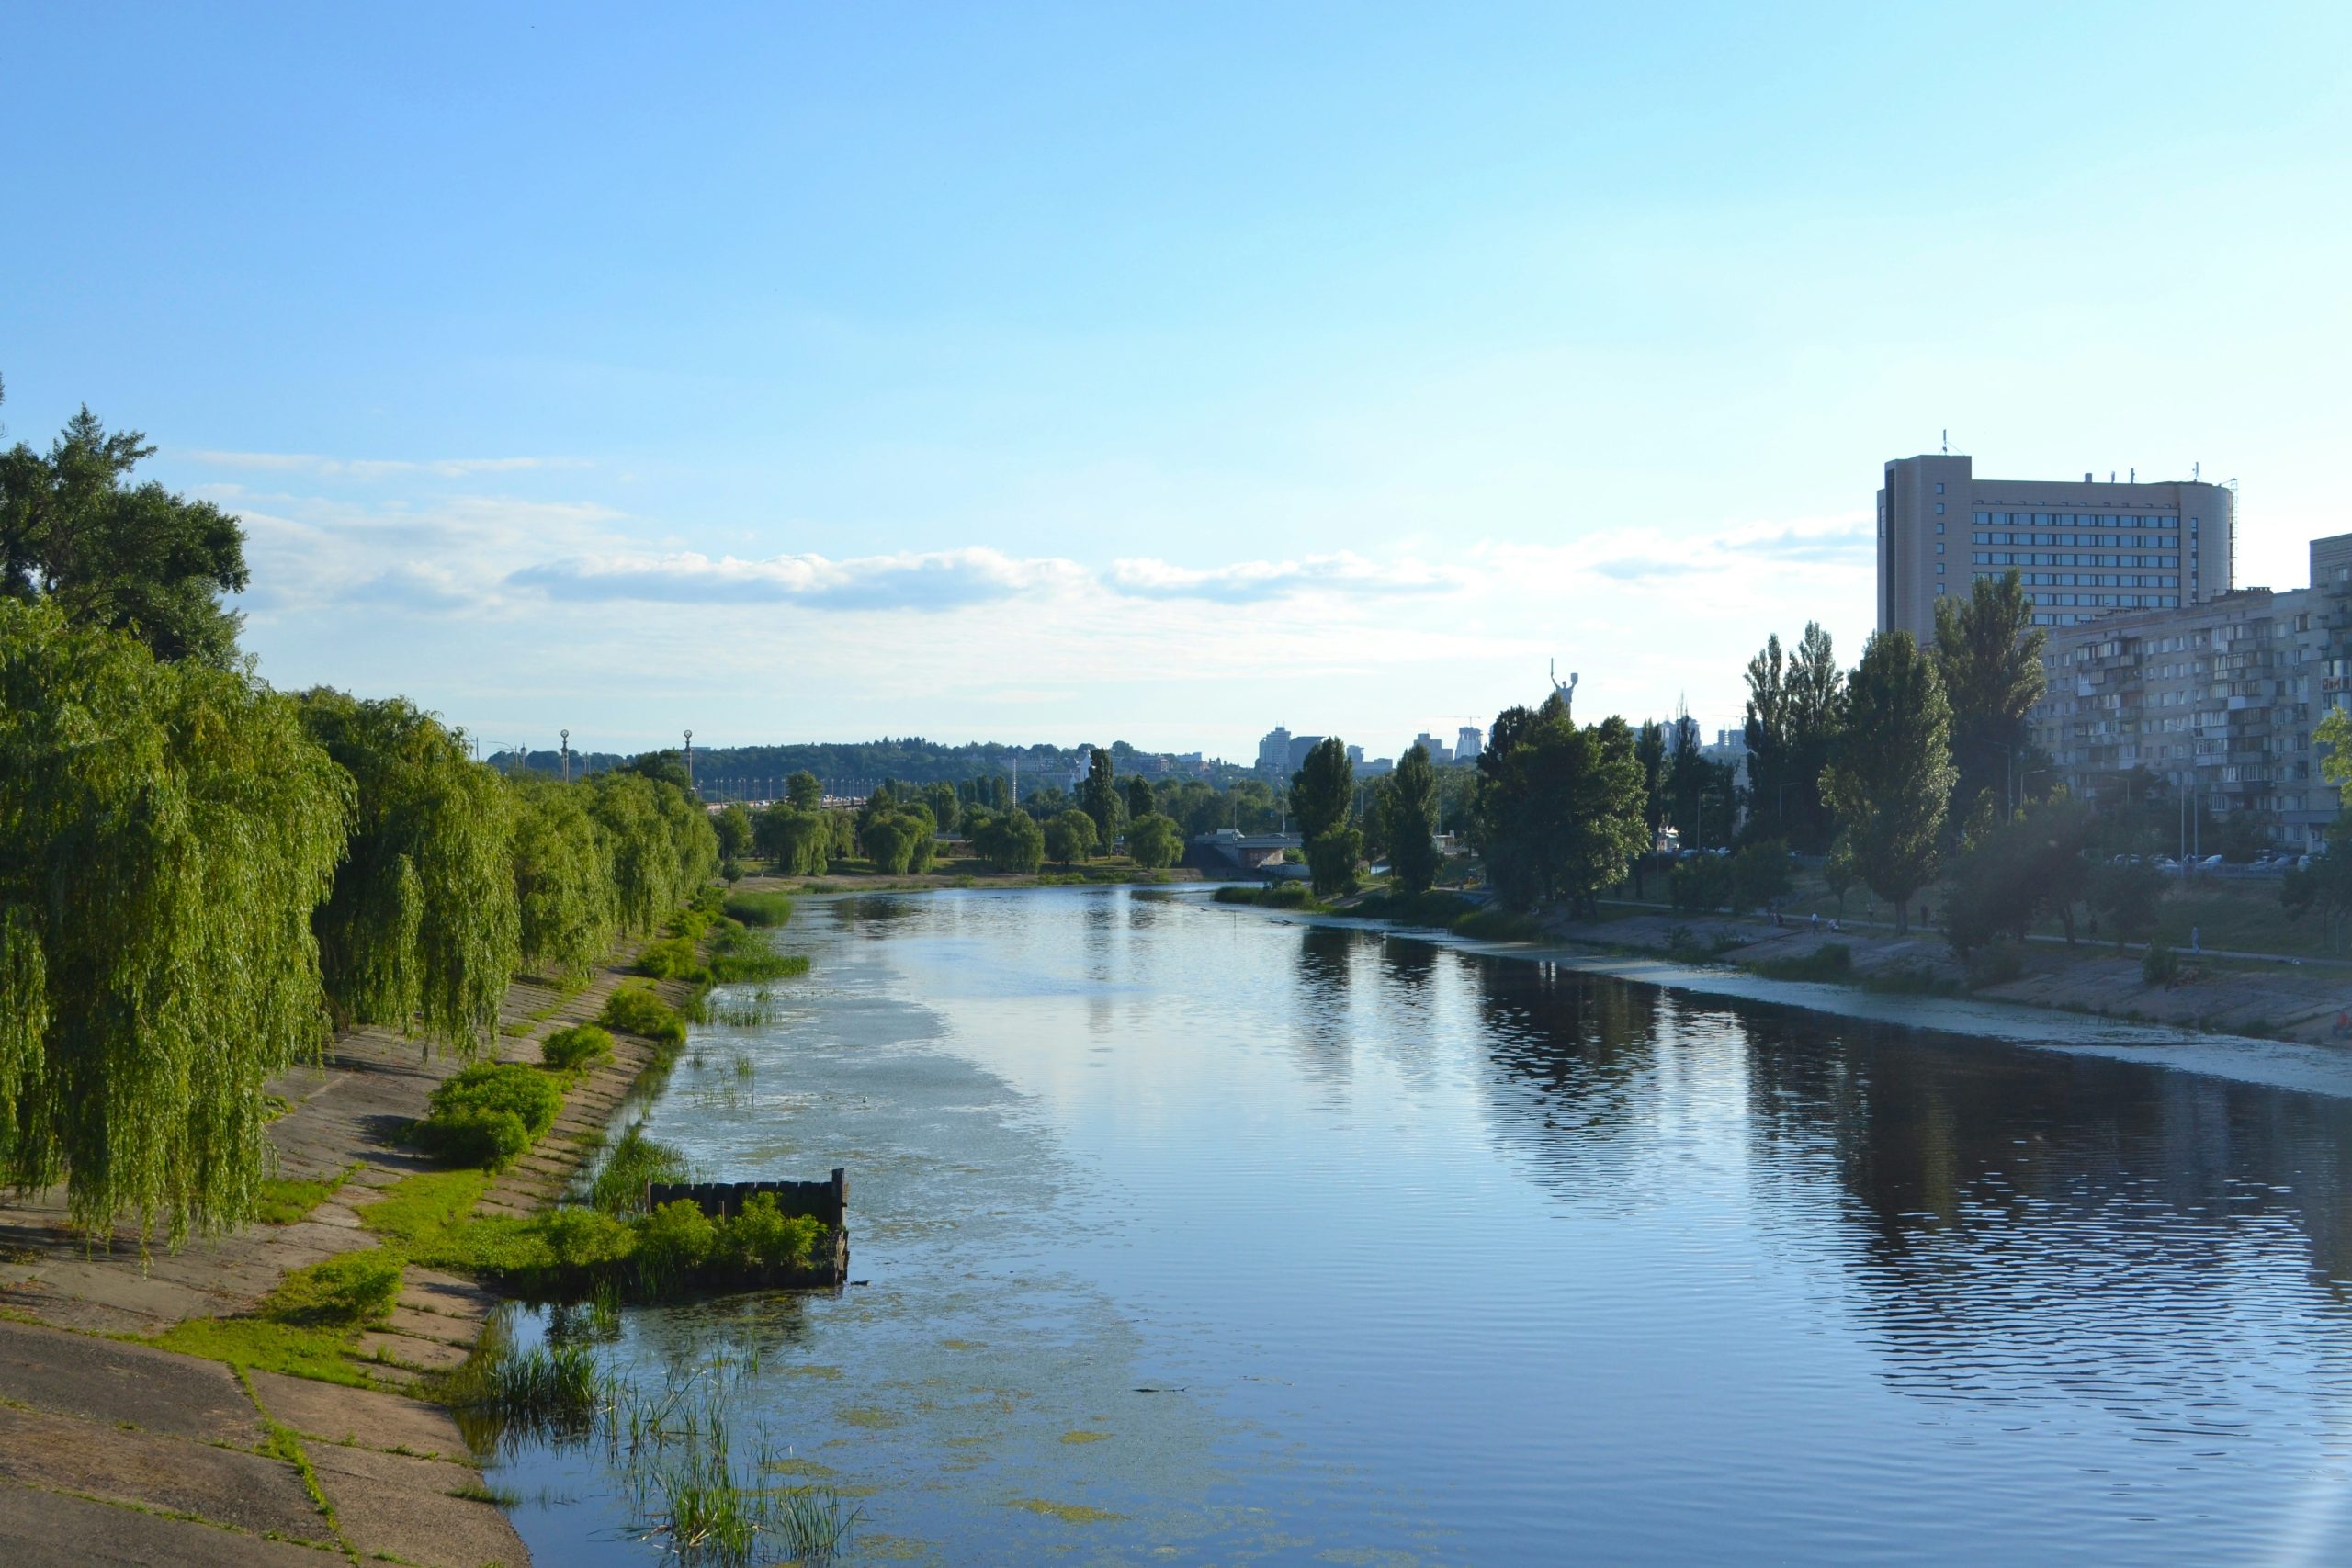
(567, 754)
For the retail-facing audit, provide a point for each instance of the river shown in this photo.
(1185, 1233)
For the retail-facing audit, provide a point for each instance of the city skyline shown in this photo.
(1137, 386)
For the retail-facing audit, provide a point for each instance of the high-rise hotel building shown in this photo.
(2084, 550)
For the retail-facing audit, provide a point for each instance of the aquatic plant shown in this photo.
(635, 1010)
(634, 1160)
(759, 908)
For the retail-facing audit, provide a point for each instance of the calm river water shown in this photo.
(1191, 1235)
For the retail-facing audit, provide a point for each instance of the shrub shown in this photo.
(635, 1010)
(759, 909)
(738, 954)
(491, 1139)
(357, 1288)
(573, 1050)
(489, 1113)
(1700, 882)
(1995, 963)
(586, 1240)
(2161, 966)
(673, 1241)
(762, 1236)
(673, 958)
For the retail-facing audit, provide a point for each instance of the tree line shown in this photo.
(201, 877)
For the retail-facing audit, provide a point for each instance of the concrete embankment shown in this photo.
(118, 1451)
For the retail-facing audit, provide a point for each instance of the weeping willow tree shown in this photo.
(563, 878)
(662, 844)
(166, 831)
(421, 930)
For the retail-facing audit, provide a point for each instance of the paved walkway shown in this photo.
(115, 1453)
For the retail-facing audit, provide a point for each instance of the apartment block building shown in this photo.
(2084, 550)
(2219, 696)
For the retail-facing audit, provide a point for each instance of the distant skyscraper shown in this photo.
(1355, 755)
(1440, 754)
(1468, 741)
(1273, 751)
(1300, 745)
(2084, 550)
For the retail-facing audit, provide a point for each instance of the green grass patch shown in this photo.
(1429, 908)
(759, 908)
(285, 1199)
(1068, 1513)
(1495, 923)
(417, 1207)
(673, 958)
(308, 1327)
(634, 1160)
(740, 954)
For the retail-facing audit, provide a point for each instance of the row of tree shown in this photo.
(201, 876)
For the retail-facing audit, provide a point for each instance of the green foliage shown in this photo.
(662, 844)
(945, 808)
(1012, 842)
(576, 1049)
(732, 828)
(1331, 858)
(1793, 721)
(635, 1010)
(632, 1161)
(166, 832)
(738, 956)
(2126, 897)
(1840, 872)
(422, 929)
(352, 1289)
(1760, 874)
(2018, 872)
(1702, 882)
(759, 909)
(673, 958)
(1098, 796)
(489, 1113)
(109, 555)
(1071, 836)
(1559, 808)
(797, 841)
(1988, 656)
(1409, 808)
(1891, 775)
(1140, 800)
(1153, 841)
(805, 790)
(2160, 965)
(673, 1241)
(566, 908)
(418, 1207)
(759, 1235)
(286, 1201)
(1273, 895)
(1323, 788)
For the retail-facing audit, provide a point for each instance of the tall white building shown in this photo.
(1468, 741)
(2084, 550)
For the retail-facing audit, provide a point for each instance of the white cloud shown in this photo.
(936, 579)
(1249, 582)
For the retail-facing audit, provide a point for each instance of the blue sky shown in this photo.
(1092, 372)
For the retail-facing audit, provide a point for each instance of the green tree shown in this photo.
(1988, 655)
(1154, 841)
(946, 809)
(2018, 872)
(1688, 782)
(422, 931)
(804, 790)
(732, 823)
(1070, 837)
(566, 908)
(1759, 874)
(157, 962)
(75, 534)
(1141, 801)
(1649, 750)
(1410, 805)
(1813, 694)
(1891, 774)
(1838, 870)
(2126, 895)
(1323, 788)
(1766, 730)
(1012, 842)
(1559, 812)
(1098, 796)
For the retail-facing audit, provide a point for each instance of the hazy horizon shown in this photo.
(1062, 374)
